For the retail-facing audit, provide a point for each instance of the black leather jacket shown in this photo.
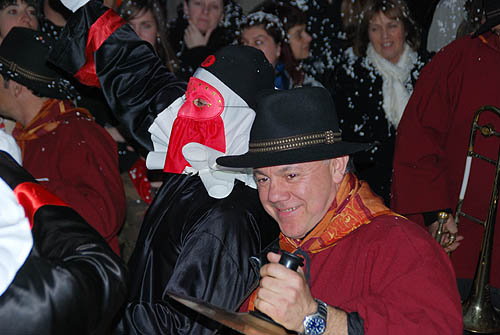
(197, 246)
(71, 283)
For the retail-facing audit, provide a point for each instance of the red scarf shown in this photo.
(47, 119)
(354, 205)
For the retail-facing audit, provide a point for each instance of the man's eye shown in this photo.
(261, 180)
(12, 11)
(258, 42)
(291, 176)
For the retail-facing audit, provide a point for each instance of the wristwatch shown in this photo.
(315, 324)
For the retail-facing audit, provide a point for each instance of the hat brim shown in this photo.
(302, 155)
(45, 90)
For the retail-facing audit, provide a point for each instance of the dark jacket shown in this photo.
(71, 283)
(198, 246)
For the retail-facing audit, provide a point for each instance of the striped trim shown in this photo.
(295, 142)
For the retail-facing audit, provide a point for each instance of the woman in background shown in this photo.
(265, 32)
(148, 19)
(295, 47)
(201, 28)
(374, 84)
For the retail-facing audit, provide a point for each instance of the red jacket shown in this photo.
(433, 137)
(78, 161)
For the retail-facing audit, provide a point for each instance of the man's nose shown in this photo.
(204, 9)
(277, 192)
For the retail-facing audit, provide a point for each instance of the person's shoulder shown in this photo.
(462, 45)
(399, 232)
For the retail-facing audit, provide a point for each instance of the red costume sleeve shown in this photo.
(91, 182)
(418, 182)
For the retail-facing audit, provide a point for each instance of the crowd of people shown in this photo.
(141, 157)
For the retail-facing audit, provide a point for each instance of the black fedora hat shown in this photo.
(23, 58)
(492, 11)
(244, 69)
(293, 126)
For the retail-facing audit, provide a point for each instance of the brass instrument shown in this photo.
(478, 312)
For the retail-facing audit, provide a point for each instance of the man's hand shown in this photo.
(193, 37)
(284, 295)
(451, 227)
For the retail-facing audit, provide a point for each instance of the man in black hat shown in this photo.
(367, 269)
(61, 145)
(433, 138)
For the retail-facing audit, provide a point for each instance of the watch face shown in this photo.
(315, 326)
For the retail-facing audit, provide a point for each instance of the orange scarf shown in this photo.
(46, 121)
(354, 205)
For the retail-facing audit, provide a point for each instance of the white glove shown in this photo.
(16, 240)
(74, 5)
(9, 145)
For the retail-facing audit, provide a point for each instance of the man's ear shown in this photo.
(278, 51)
(338, 169)
(16, 88)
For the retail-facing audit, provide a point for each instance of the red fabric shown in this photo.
(107, 24)
(433, 138)
(33, 196)
(138, 174)
(195, 123)
(394, 275)
(78, 162)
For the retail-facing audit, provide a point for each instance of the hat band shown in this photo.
(295, 142)
(13, 67)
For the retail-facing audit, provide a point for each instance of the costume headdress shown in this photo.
(212, 119)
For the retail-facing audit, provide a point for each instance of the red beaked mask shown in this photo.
(198, 120)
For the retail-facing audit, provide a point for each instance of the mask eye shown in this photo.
(200, 103)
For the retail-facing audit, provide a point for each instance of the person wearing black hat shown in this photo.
(433, 139)
(61, 144)
(60, 277)
(204, 223)
(367, 269)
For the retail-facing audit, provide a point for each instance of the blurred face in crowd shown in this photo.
(387, 37)
(204, 14)
(299, 41)
(258, 37)
(17, 14)
(299, 195)
(145, 26)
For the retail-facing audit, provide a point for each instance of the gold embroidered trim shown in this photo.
(13, 67)
(295, 142)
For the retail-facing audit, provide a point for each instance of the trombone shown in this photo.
(478, 312)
